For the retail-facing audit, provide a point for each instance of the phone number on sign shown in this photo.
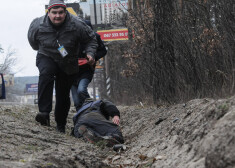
(115, 34)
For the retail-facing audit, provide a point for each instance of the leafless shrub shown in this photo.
(179, 50)
(7, 61)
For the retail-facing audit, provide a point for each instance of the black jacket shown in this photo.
(86, 71)
(101, 49)
(73, 34)
(104, 107)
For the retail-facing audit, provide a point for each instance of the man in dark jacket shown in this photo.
(57, 36)
(92, 122)
(86, 72)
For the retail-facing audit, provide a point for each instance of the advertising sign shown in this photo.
(118, 4)
(106, 12)
(114, 34)
(32, 88)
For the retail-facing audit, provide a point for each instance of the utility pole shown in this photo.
(95, 15)
(94, 87)
(93, 83)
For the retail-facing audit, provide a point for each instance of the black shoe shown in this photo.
(43, 118)
(110, 141)
(60, 128)
(119, 147)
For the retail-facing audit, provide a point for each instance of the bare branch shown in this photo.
(8, 61)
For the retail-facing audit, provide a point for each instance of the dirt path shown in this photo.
(199, 133)
(24, 143)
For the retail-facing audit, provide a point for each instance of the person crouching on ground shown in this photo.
(86, 72)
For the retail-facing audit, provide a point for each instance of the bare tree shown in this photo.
(8, 60)
(1, 49)
(179, 50)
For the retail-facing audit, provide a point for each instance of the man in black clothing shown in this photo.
(92, 122)
(86, 72)
(58, 37)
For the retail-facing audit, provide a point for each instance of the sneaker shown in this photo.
(88, 135)
(110, 141)
(43, 118)
(60, 128)
(119, 147)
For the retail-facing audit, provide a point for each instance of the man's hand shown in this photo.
(91, 60)
(116, 120)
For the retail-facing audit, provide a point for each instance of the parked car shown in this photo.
(2, 87)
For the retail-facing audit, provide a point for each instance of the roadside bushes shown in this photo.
(178, 50)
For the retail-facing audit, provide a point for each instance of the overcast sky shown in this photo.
(16, 16)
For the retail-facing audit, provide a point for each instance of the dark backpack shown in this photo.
(87, 106)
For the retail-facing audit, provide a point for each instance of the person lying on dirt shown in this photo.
(92, 122)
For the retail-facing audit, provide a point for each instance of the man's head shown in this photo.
(57, 11)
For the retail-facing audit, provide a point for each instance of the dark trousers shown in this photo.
(50, 74)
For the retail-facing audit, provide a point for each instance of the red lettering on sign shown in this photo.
(115, 5)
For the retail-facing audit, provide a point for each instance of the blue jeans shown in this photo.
(80, 93)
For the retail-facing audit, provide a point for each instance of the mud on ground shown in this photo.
(197, 134)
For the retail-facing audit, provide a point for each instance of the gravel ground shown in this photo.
(197, 134)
